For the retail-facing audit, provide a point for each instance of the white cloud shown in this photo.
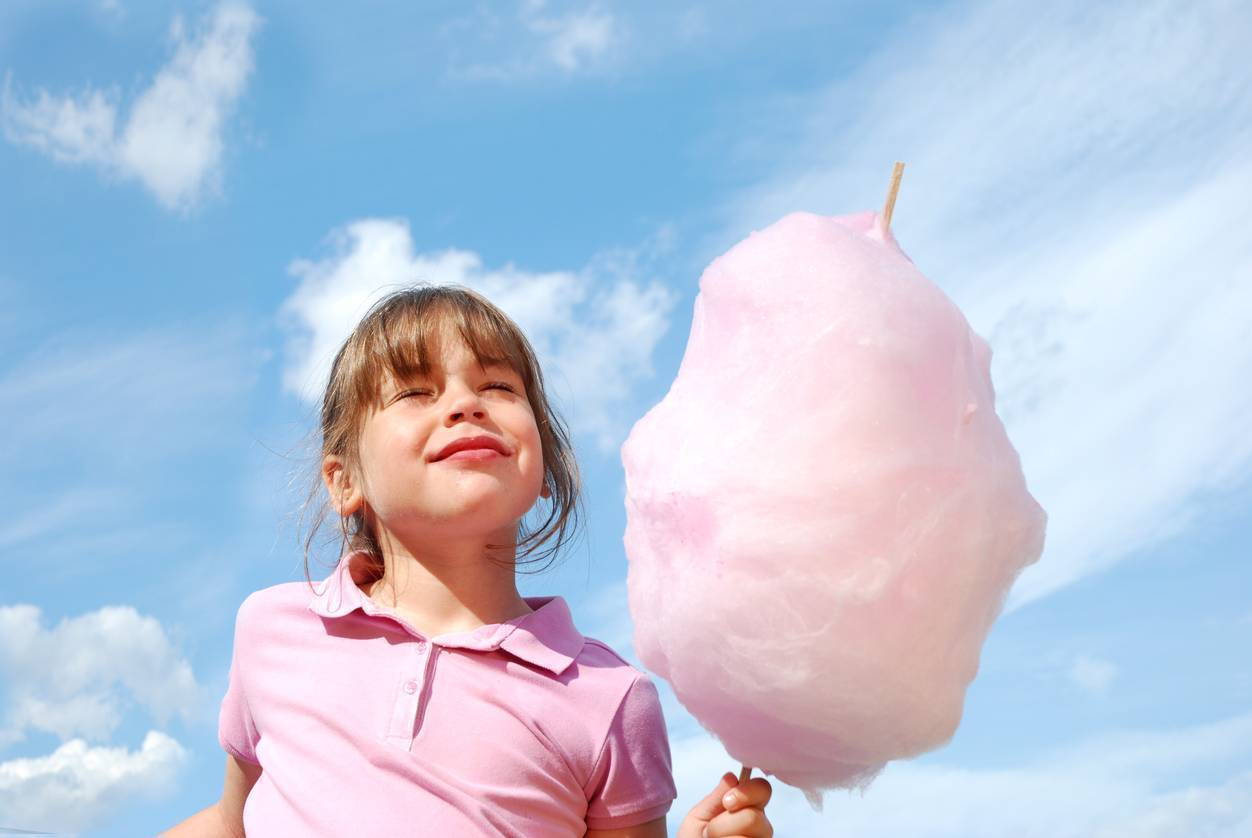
(70, 130)
(537, 41)
(1093, 674)
(1078, 187)
(64, 680)
(594, 330)
(77, 786)
(172, 139)
(1113, 786)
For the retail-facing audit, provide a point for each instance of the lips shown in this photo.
(468, 442)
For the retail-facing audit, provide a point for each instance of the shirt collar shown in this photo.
(546, 637)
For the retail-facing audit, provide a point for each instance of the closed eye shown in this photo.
(490, 385)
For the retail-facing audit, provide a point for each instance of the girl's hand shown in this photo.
(743, 818)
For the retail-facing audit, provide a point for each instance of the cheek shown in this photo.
(381, 458)
(534, 468)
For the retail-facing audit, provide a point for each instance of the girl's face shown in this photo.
(410, 491)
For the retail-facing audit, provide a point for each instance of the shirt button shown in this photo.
(410, 687)
(421, 647)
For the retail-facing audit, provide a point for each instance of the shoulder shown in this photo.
(598, 653)
(629, 693)
(599, 660)
(261, 607)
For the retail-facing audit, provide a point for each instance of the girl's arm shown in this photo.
(224, 819)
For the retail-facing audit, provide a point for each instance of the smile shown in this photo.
(472, 454)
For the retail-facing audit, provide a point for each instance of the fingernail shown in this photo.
(704, 833)
(729, 799)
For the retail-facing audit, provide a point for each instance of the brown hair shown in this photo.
(396, 338)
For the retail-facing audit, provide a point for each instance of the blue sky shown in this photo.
(197, 200)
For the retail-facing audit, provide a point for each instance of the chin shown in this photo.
(468, 519)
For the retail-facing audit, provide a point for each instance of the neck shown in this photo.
(449, 585)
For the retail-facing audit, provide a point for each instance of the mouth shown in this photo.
(472, 454)
(473, 448)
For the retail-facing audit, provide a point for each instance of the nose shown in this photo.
(464, 402)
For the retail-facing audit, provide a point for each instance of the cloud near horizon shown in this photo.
(1124, 784)
(78, 786)
(65, 681)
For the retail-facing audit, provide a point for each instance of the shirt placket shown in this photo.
(412, 694)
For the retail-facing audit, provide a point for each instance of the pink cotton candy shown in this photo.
(824, 514)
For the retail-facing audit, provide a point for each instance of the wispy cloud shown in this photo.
(172, 138)
(573, 38)
(62, 510)
(77, 786)
(535, 41)
(1078, 186)
(63, 680)
(100, 433)
(1094, 675)
(1114, 786)
(75, 400)
(594, 330)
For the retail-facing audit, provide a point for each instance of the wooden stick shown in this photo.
(896, 174)
(744, 774)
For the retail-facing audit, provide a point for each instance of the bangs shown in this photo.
(405, 340)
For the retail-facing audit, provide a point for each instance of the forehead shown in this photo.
(417, 349)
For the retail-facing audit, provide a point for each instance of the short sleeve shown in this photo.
(236, 731)
(633, 781)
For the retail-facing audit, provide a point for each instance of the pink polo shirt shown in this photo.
(365, 727)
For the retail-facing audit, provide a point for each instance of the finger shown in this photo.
(755, 792)
(745, 823)
(711, 806)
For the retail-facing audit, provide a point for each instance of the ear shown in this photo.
(543, 491)
(345, 496)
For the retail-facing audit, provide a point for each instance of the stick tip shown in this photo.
(897, 172)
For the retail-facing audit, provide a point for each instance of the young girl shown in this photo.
(414, 692)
